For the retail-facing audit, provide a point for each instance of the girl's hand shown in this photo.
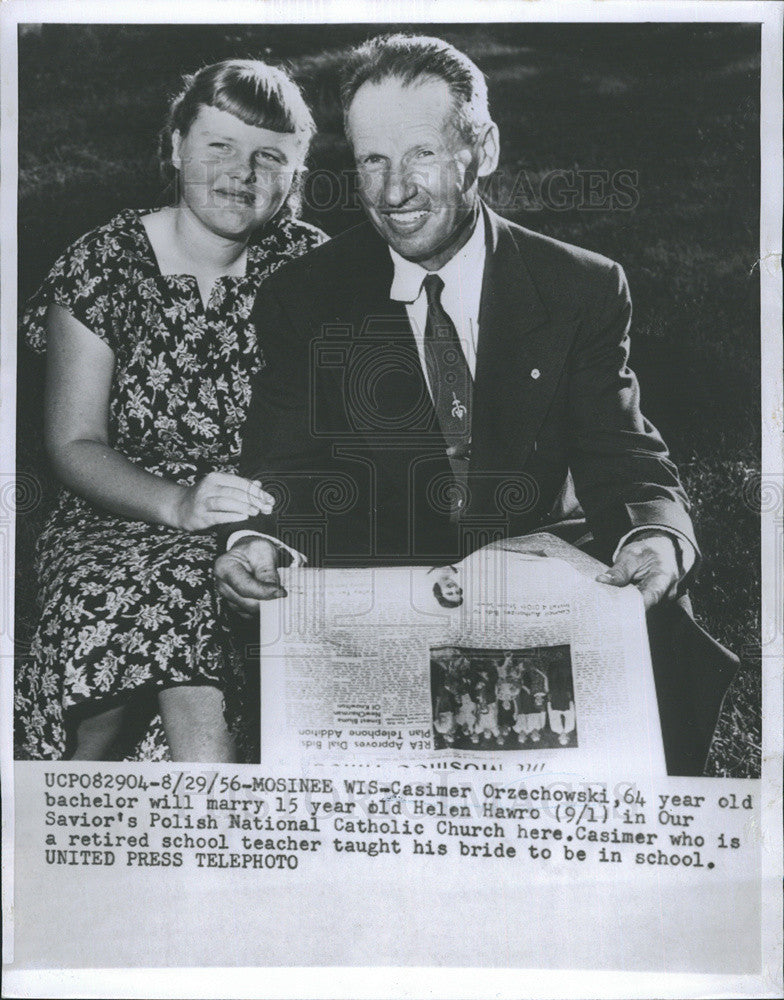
(219, 498)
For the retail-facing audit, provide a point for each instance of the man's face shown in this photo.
(417, 173)
(450, 587)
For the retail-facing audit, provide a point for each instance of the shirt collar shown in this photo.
(466, 264)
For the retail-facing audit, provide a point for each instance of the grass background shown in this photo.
(677, 104)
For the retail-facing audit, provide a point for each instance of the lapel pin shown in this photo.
(535, 373)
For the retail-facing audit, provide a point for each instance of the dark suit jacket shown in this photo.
(342, 430)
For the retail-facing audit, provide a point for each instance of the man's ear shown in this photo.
(488, 150)
(176, 139)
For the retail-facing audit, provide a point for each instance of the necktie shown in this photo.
(450, 378)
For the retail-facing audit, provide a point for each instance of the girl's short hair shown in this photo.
(258, 94)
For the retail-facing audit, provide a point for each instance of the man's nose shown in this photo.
(399, 185)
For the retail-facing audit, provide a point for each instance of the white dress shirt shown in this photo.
(462, 276)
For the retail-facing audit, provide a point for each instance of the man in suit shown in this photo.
(438, 377)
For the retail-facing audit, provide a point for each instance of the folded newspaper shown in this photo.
(515, 654)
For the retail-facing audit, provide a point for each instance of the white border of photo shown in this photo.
(402, 982)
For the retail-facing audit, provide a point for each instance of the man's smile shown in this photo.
(406, 220)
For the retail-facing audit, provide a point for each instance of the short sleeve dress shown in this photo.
(127, 605)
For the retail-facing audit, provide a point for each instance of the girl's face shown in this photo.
(234, 177)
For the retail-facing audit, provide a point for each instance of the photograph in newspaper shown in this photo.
(391, 532)
(502, 699)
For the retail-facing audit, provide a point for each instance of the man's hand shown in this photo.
(650, 562)
(247, 574)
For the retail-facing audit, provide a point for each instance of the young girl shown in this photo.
(150, 357)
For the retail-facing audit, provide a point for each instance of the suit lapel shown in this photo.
(519, 356)
(385, 384)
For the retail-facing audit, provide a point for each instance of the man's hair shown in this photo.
(412, 59)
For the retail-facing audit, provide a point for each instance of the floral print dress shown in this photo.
(127, 605)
